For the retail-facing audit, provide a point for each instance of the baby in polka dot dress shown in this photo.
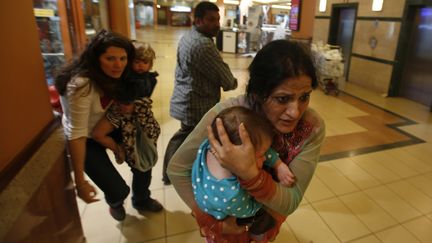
(217, 191)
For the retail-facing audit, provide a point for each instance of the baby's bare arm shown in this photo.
(284, 174)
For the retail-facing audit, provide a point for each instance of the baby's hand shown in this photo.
(120, 154)
(284, 174)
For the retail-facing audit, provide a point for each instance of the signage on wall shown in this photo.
(294, 19)
(43, 12)
(182, 9)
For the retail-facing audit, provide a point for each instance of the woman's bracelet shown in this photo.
(261, 187)
(254, 182)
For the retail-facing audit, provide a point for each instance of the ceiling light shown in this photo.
(281, 6)
(231, 2)
(265, 1)
(180, 9)
(377, 5)
(322, 5)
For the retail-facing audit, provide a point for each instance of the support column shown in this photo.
(155, 13)
(306, 21)
(78, 23)
(67, 44)
(119, 17)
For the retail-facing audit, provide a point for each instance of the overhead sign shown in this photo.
(180, 9)
(294, 19)
(43, 12)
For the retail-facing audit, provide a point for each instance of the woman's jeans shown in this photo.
(101, 170)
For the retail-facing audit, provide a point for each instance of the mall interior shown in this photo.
(373, 182)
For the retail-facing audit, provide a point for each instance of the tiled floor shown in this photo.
(374, 185)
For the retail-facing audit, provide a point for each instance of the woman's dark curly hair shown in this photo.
(88, 65)
(275, 62)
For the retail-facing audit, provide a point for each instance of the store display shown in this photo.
(50, 38)
(330, 66)
(243, 42)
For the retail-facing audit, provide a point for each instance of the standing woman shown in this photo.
(86, 87)
(282, 77)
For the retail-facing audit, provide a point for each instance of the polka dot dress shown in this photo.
(219, 197)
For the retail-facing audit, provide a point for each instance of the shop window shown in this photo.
(144, 13)
(51, 41)
(180, 16)
(95, 16)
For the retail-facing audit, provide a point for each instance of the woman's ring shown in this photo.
(213, 152)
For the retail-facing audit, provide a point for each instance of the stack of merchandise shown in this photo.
(330, 66)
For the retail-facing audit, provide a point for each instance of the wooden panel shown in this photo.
(64, 25)
(386, 34)
(119, 17)
(39, 204)
(320, 30)
(51, 215)
(370, 74)
(391, 8)
(24, 99)
(306, 20)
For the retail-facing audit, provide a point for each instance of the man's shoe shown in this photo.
(151, 205)
(118, 214)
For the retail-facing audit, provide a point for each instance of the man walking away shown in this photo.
(199, 75)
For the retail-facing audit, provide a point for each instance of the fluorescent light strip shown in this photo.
(231, 2)
(227, 1)
(281, 6)
(322, 5)
(377, 5)
(265, 1)
(180, 9)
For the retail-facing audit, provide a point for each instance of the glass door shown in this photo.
(50, 36)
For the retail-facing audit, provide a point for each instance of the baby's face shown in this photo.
(141, 66)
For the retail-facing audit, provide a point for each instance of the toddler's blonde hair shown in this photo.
(144, 52)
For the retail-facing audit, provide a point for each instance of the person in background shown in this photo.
(282, 77)
(217, 191)
(200, 74)
(86, 87)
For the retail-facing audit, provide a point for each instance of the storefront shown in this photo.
(65, 27)
(54, 36)
(180, 15)
(96, 16)
(144, 13)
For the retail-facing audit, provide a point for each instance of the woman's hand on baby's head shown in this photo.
(238, 159)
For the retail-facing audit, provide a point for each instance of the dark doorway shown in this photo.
(342, 25)
(416, 78)
(162, 16)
